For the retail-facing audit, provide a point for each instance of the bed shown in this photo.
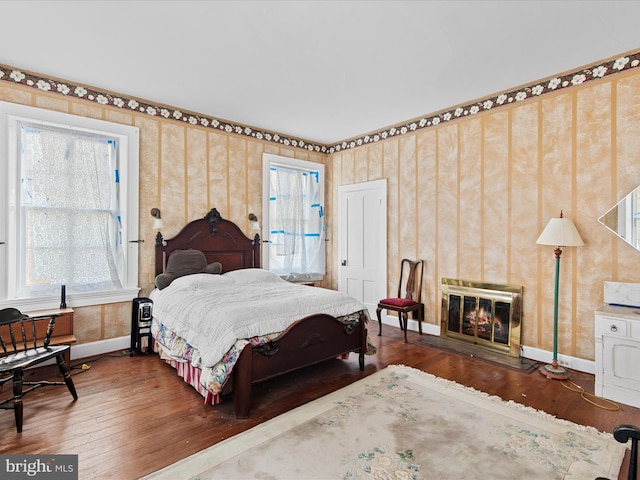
(276, 326)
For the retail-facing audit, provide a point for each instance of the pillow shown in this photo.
(253, 275)
(185, 262)
(201, 281)
(214, 268)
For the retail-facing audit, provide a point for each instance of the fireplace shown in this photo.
(485, 314)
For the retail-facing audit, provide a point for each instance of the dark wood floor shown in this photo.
(134, 415)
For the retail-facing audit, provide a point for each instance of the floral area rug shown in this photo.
(402, 423)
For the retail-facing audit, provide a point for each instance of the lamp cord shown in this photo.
(586, 396)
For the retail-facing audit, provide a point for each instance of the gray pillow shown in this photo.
(214, 268)
(185, 262)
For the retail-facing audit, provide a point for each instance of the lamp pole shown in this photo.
(554, 363)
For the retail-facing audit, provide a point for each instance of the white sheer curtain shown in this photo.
(297, 228)
(68, 211)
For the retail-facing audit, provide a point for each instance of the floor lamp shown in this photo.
(559, 232)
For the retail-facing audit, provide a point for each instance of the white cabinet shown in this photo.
(618, 354)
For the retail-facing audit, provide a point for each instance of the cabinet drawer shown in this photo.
(612, 326)
(634, 330)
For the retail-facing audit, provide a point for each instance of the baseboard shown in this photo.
(537, 354)
(101, 347)
(94, 349)
(427, 328)
(567, 361)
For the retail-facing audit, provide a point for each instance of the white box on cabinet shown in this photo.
(622, 294)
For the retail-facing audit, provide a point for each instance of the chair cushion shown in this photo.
(399, 302)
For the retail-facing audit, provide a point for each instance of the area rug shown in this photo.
(402, 423)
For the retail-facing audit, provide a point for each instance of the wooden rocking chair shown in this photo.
(25, 343)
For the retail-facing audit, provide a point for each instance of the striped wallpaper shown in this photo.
(467, 193)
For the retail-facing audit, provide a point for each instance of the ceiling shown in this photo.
(323, 71)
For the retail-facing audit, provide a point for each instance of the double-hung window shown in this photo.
(294, 218)
(68, 209)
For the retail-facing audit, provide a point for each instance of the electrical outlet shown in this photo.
(564, 363)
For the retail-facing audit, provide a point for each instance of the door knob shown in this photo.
(343, 263)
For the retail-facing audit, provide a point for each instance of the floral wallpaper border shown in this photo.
(578, 77)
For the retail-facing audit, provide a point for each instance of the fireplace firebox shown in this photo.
(488, 315)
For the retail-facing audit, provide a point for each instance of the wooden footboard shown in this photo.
(308, 341)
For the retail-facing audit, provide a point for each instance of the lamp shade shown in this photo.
(560, 232)
(158, 224)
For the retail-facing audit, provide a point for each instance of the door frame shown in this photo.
(381, 223)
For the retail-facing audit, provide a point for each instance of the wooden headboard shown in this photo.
(220, 240)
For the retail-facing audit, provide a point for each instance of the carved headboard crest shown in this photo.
(213, 218)
(219, 239)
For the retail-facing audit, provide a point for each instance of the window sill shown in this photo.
(73, 300)
(303, 282)
(302, 277)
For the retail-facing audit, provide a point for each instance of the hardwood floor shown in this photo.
(134, 415)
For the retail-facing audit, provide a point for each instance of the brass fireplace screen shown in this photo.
(487, 315)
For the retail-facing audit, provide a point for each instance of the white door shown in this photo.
(362, 242)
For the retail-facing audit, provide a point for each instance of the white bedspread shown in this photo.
(212, 311)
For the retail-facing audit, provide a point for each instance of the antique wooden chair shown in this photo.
(25, 343)
(624, 433)
(409, 296)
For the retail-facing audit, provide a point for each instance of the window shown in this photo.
(294, 218)
(68, 209)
